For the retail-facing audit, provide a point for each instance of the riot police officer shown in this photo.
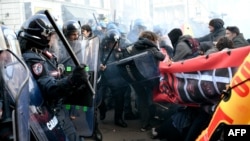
(34, 39)
(139, 26)
(71, 30)
(110, 76)
(85, 53)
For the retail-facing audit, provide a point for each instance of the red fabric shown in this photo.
(171, 89)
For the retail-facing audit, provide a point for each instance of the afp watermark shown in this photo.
(239, 132)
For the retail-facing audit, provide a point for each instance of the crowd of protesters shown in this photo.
(184, 122)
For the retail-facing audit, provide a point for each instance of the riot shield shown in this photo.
(91, 58)
(81, 106)
(43, 123)
(19, 90)
(139, 68)
(82, 97)
(14, 119)
(14, 90)
(30, 108)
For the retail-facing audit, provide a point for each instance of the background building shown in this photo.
(190, 15)
(14, 12)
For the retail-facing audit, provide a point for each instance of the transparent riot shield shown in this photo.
(81, 105)
(14, 119)
(91, 58)
(15, 94)
(83, 97)
(21, 99)
(30, 112)
(43, 122)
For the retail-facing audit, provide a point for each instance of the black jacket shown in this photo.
(213, 36)
(142, 45)
(240, 41)
(45, 71)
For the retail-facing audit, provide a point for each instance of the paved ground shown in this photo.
(115, 133)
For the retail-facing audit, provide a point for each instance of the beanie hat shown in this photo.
(174, 35)
(216, 23)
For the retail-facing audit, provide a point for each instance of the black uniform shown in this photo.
(43, 66)
(34, 41)
(111, 77)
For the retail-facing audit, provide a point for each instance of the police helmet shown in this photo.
(43, 12)
(159, 30)
(111, 25)
(57, 20)
(103, 24)
(113, 34)
(123, 29)
(36, 30)
(71, 26)
(139, 23)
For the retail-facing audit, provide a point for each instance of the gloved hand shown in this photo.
(79, 76)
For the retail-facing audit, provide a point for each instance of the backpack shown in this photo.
(194, 45)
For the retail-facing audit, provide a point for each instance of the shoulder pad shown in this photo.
(31, 56)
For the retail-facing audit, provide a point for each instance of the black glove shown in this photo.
(79, 76)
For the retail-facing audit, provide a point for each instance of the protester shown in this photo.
(174, 36)
(224, 44)
(217, 30)
(233, 33)
(185, 46)
(186, 122)
(147, 41)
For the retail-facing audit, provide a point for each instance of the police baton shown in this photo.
(107, 58)
(67, 46)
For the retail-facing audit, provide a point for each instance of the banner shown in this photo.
(198, 80)
(234, 107)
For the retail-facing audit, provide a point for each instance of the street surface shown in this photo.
(112, 132)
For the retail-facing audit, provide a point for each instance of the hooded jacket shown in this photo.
(219, 31)
(182, 50)
(143, 45)
(240, 41)
(213, 36)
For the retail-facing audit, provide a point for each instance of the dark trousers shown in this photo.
(119, 94)
(198, 121)
(66, 124)
(144, 100)
(127, 102)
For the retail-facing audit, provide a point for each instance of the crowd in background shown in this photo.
(184, 123)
